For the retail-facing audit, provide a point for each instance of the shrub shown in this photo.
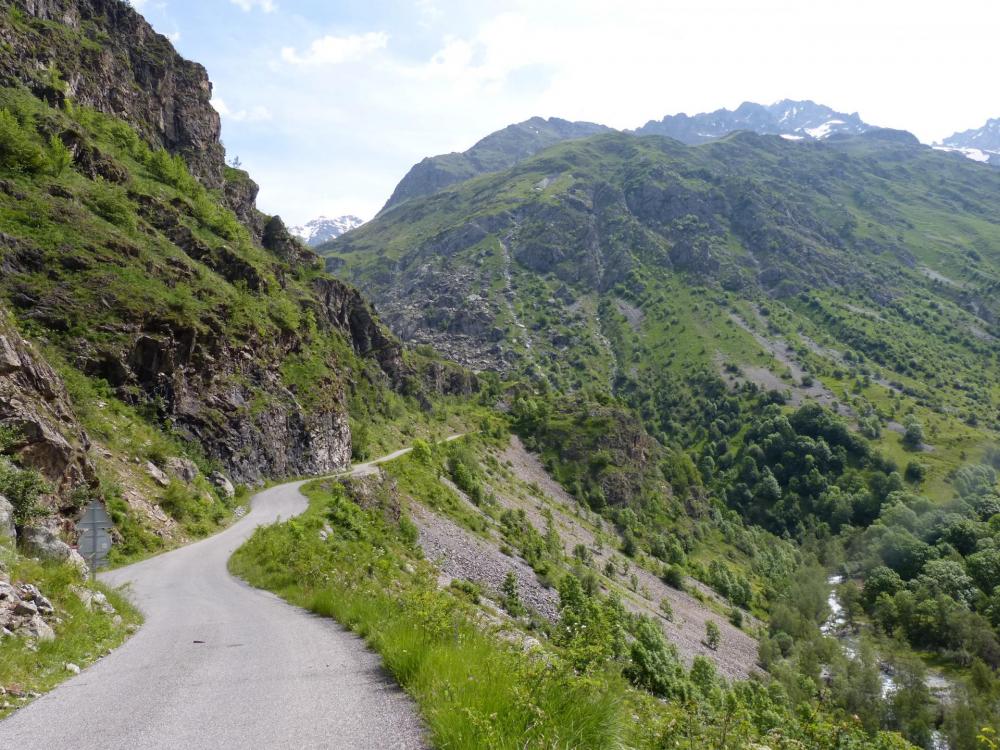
(22, 487)
(736, 617)
(915, 472)
(913, 437)
(673, 577)
(667, 609)
(713, 636)
(19, 150)
(111, 204)
(653, 663)
(60, 157)
(511, 597)
(422, 451)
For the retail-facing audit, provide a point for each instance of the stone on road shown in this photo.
(219, 664)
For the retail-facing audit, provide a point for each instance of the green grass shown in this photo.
(82, 637)
(472, 690)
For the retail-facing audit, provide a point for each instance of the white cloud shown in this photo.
(333, 50)
(479, 66)
(267, 6)
(174, 37)
(256, 113)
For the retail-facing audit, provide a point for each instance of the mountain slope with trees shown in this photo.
(800, 337)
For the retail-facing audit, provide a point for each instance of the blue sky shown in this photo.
(327, 104)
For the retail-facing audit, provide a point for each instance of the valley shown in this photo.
(690, 433)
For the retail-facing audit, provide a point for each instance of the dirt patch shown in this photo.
(631, 313)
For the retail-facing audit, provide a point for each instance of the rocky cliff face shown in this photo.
(33, 401)
(103, 54)
(229, 335)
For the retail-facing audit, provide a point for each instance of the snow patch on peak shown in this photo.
(323, 229)
(823, 130)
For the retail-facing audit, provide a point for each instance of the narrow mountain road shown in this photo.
(219, 664)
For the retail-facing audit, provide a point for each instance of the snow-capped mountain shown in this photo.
(979, 144)
(324, 229)
(793, 119)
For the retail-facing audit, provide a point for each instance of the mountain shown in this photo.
(495, 152)
(320, 230)
(800, 336)
(520, 269)
(794, 119)
(513, 144)
(979, 144)
(148, 309)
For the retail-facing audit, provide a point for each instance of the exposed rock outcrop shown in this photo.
(7, 530)
(33, 401)
(103, 54)
(24, 611)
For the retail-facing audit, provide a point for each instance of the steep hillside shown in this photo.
(495, 152)
(597, 251)
(150, 312)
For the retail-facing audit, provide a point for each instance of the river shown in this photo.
(836, 627)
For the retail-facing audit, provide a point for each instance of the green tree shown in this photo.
(713, 636)
(422, 451)
(23, 488)
(913, 436)
(60, 157)
(511, 597)
(653, 663)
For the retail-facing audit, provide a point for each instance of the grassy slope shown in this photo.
(475, 689)
(82, 637)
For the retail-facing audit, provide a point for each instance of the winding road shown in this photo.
(219, 664)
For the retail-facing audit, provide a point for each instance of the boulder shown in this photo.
(77, 561)
(25, 608)
(44, 544)
(93, 599)
(157, 474)
(7, 530)
(221, 481)
(36, 627)
(183, 469)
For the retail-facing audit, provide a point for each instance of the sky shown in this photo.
(328, 103)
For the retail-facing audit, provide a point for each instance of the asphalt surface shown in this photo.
(218, 664)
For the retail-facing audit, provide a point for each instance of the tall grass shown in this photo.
(472, 689)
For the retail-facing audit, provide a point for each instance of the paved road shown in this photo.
(219, 664)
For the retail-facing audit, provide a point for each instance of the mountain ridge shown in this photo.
(323, 229)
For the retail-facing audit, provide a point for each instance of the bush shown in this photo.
(60, 157)
(673, 577)
(22, 487)
(667, 610)
(111, 204)
(19, 151)
(713, 636)
(736, 617)
(511, 598)
(915, 472)
(913, 437)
